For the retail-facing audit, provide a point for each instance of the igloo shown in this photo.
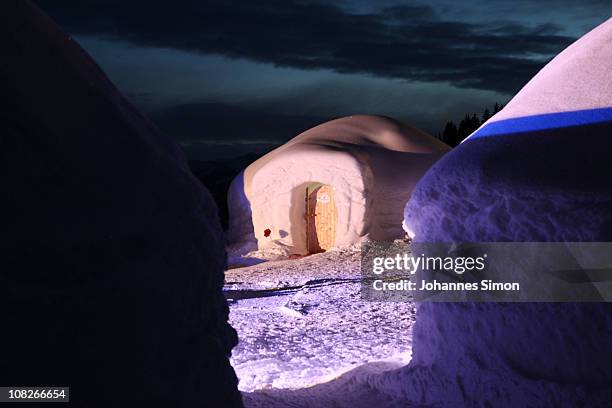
(538, 171)
(333, 185)
(112, 252)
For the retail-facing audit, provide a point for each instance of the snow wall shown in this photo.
(372, 162)
(112, 252)
(539, 171)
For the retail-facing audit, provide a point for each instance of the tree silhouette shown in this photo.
(452, 134)
(449, 135)
(497, 108)
(486, 115)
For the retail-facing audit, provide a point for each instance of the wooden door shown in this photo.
(321, 218)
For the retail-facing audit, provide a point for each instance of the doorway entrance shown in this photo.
(321, 217)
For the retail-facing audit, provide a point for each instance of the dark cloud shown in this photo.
(410, 42)
(214, 130)
(215, 122)
(407, 12)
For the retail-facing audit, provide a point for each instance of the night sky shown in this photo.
(228, 77)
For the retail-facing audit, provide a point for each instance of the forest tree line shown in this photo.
(453, 134)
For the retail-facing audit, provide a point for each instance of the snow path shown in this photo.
(302, 322)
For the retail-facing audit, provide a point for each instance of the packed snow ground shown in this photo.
(302, 322)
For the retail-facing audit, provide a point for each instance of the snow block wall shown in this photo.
(112, 252)
(371, 162)
(537, 171)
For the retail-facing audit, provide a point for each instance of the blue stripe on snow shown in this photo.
(545, 121)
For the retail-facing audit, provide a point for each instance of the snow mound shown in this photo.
(372, 164)
(519, 178)
(112, 262)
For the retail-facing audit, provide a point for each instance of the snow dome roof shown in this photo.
(573, 89)
(369, 131)
(538, 171)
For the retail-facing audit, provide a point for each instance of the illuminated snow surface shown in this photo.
(302, 322)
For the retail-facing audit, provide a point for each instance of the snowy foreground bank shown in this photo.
(302, 322)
